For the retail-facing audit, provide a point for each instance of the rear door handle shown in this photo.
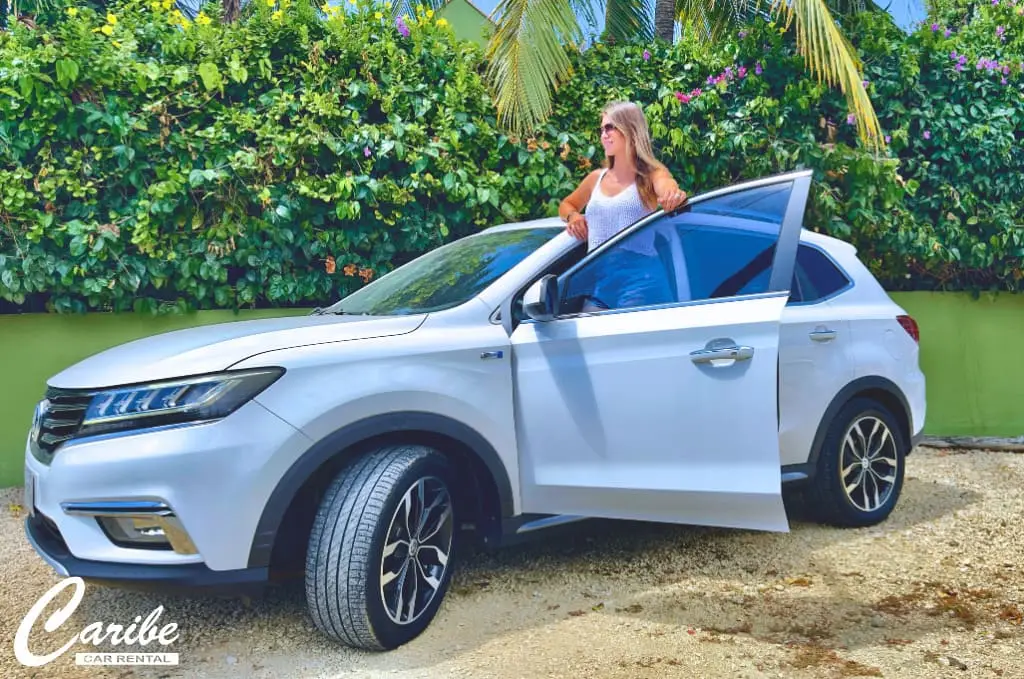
(733, 353)
(823, 334)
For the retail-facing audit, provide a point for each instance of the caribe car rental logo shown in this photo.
(141, 633)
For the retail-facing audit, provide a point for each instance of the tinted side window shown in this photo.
(816, 275)
(720, 247)
(727, 261)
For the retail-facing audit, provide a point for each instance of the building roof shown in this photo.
(480, 11)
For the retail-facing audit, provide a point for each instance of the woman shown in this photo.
(632, 184)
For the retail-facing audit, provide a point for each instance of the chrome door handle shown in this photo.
(733, 353)
(823, 334)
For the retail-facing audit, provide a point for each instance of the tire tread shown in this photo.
(341, 543)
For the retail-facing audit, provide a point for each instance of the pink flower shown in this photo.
(647, 55)
(742, 72)
(402, 28)
(888, 139)
(947, 33)
(367, 152)
(757, 69)
(935, 27)
(851, 119)
(927, 134)
(1003, 81)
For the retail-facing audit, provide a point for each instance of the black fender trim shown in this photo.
(352, 435)
(859, 385)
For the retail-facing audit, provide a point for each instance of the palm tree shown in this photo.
(528, 59)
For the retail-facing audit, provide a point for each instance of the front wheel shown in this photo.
(381, 550)
(859, 475)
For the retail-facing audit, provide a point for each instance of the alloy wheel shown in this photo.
(416, 550)
(869, 463)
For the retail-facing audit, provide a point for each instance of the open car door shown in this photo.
(646, 380)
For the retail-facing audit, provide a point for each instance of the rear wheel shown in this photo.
(381, 550)
(860, 469)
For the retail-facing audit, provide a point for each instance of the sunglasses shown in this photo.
(607, 127)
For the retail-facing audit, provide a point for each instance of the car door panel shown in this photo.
(621, 414)
(594, 441)
(814, 367)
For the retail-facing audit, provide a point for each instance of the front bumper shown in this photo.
(215, 477)
(44, 537)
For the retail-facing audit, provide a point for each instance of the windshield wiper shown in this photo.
(321, 311)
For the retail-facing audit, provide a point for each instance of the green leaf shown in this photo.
(179, 76)
(210, 75)
(67, 72)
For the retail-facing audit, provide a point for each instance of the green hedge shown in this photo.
(151, 163)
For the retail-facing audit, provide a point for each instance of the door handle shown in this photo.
(733, 353)
(823, 334)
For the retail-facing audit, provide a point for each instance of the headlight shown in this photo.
(188, 400)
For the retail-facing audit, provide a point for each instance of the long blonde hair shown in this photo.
(630, 120)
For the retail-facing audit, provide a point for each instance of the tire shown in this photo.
(362, 513)
(827, 498)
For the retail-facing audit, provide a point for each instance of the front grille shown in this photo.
(60, 418)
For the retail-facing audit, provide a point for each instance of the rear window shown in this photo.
(815, 276)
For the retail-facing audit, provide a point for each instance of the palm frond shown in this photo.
(710, 20)
(527, 58)
(830, 56)
(584, 10)
(628, 20)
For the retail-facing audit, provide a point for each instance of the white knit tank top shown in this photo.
(607, 215)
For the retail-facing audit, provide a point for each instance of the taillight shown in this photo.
(910, 325)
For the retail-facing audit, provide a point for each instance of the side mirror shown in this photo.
(539, 299)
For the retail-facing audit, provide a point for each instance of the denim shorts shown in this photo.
(627, 279)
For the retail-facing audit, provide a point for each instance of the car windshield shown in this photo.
(446, 277)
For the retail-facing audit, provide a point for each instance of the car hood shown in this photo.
(210, 348)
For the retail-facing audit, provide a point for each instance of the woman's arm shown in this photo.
(570, 209)
(670, 196)
(578, 199)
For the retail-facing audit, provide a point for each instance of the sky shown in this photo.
(905, 12)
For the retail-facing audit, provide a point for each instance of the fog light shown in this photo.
(147, 532)
(135, 531)
(139, 525)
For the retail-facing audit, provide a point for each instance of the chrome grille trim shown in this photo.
(59, 420)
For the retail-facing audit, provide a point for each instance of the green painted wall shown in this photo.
(968, 352)
(466, 21)
(971, 358)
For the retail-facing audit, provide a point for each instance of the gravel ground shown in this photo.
(937, 591)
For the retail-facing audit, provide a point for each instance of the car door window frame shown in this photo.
(787, 241)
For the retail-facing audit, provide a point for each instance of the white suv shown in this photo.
(467, 395)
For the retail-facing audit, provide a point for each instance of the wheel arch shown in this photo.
(482, 476)
(881, 389)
